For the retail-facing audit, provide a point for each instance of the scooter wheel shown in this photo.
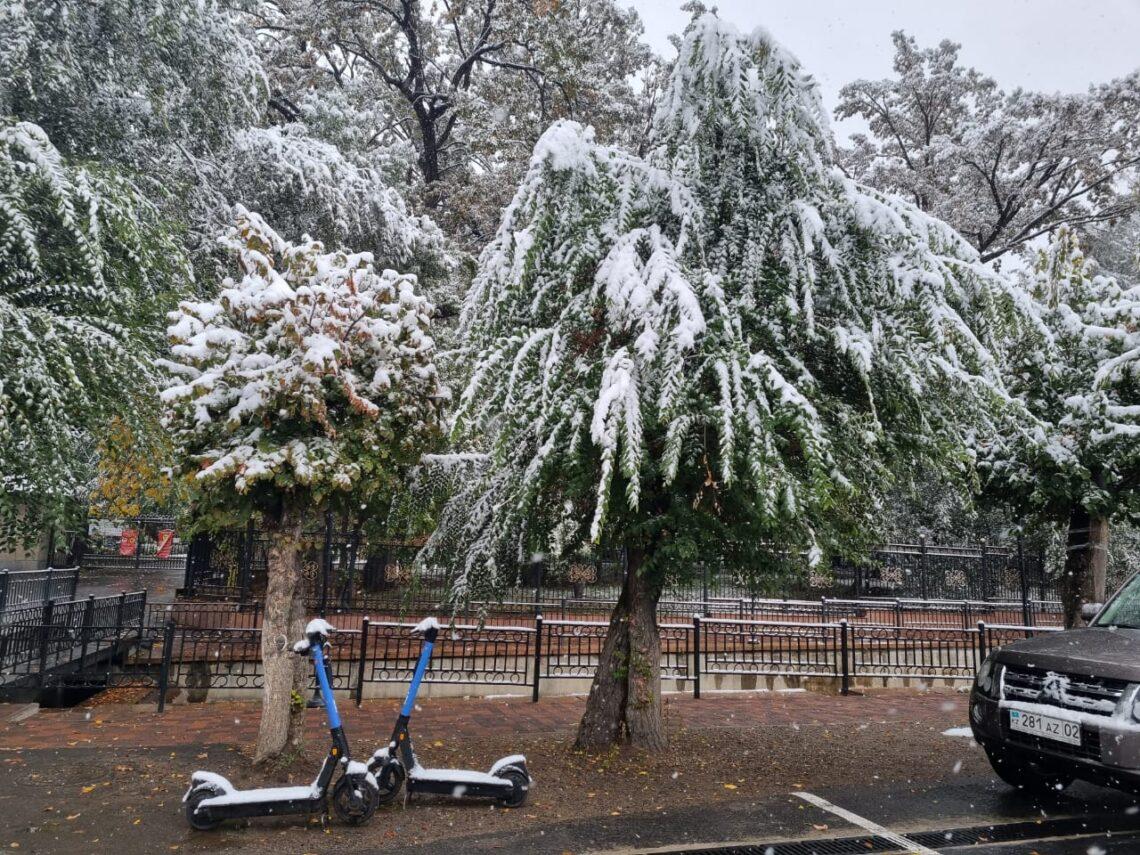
(197, 820)
(520, 786)
(353, 802)
(389, 779)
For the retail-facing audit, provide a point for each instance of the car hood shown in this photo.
(1092, 651)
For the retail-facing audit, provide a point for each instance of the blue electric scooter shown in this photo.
(395, 764)
(212, 799)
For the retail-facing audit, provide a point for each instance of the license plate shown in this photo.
(1045, 726)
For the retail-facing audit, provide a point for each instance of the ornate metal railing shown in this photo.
(204, 648)
(22, 589)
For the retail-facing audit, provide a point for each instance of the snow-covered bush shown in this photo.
(720, 346)
(84, 263)
(309, 378)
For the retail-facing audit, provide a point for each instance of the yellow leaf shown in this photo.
(88, 788)
(74, 816)
(730, 786)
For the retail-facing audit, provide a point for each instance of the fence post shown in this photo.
(119, 616)
(138, 544)
(3, 589)
(845, 685)
(326, 563)
(1025, 618)
(537, 656)
(981, 643)
(245, 562)
(823, 609)
(142, 617)
(85, 631)
(898, 613)
(45, 636)
(697, 657)
(363, 658)
(704, 587)
(47, 586)
(922, 565)
(164, 671)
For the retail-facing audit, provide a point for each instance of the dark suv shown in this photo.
(1066, 705)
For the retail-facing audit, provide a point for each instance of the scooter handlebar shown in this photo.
(316, 633)
(428, 628)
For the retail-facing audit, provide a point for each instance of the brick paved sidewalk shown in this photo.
(111, 725)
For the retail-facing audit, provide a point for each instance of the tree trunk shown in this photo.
(1086, 561)
(282, 625)
(625, 698)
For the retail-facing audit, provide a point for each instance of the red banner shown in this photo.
(165, 542)
(129, 541)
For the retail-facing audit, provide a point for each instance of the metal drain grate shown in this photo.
(834, 846)
(1013, 831)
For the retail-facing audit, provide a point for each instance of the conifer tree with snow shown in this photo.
(698, 354)
(306, 384)
(85, 266)
(1071, 459)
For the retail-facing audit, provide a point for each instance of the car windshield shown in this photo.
(1124, 610)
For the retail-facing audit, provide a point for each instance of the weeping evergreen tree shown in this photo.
(85, 266)
(719, 349)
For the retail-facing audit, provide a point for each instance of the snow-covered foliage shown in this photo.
(309, 376)
(312, 187)
(468, 87)
(723, 342)
(129, 80)
(83, 260)
(1001, 167)
(1074, 448)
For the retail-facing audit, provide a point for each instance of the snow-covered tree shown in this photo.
(720, 346)
(84, 263)
(314, 187)
(129, 80)
(1000, 167)
(1070, 460)
(468, 87)
(306, 384)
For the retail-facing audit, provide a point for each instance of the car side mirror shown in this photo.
(1090, 611)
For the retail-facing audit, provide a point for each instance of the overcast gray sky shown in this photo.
(1047, 45)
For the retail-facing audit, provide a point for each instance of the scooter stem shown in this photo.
(326, 689)
(421, 667)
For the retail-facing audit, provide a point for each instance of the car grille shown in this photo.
(1089, 749)
(1093, 695)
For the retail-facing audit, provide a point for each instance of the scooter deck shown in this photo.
(256, 806)
(459, 783)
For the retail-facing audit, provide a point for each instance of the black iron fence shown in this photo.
(345, 572)
(202, 647)
(38, 640)
(147, 542)
(20, 589)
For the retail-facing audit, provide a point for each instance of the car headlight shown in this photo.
(986, 680)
